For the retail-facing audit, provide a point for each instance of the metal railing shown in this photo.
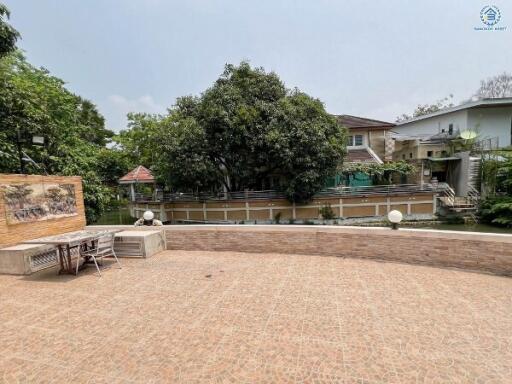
(488, 144)
(473, 195)
(376, 190)
(448, 195)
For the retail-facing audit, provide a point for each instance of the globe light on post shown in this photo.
(395, 217)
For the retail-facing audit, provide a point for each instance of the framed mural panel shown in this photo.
(35, 202)
(60, 200)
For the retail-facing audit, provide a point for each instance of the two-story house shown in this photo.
(367, 139)
(368, 142)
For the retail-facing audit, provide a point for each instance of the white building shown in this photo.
(490, 118)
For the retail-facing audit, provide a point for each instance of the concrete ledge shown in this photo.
(151, 240)
(139, 243)
(25, 259)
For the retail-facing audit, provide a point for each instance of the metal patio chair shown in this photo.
(104, 248)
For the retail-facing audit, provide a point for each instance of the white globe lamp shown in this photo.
(395, 217)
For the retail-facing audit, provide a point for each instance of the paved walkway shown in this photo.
(257, 318)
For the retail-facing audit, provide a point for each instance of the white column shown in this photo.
(132, 191)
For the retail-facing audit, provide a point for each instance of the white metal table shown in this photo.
(69, 243)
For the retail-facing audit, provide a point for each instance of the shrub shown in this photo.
(277, 217)
(327, 212)
(497, 211)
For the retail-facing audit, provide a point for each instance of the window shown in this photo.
(410, 155)
(450, 129)
(403, 156)
(355, 141)
(429, 153)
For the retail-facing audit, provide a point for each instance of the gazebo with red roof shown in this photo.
(138, 175)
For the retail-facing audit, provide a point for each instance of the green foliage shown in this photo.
(381, 172)
(32, 102)
(497, 172)
(327, 212)
(497, 178)
(305, 145)
(239, 133)
(490, 175)
(497, 210)
(184, 161)
(8, 35)
(139, 141)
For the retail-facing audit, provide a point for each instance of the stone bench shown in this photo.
(25, 259)
(139, 243)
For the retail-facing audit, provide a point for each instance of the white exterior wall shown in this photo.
(492, 122)
(435, 125)
(489, 122)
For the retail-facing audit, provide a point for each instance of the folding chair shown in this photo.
(104, 248)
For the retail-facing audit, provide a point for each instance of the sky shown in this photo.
(375, 59)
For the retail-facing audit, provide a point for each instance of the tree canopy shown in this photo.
(33, 102)
(8, 35)
(244, 131)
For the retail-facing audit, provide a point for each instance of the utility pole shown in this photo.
(20, 150)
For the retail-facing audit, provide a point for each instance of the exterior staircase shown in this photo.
(466, 206)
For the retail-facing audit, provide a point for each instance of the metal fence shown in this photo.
(375, 190)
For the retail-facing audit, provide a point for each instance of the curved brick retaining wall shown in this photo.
(466, 250)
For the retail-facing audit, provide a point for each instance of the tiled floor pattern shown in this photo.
(256, 318)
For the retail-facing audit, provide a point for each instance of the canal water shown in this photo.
(119, 216)
(122, 217)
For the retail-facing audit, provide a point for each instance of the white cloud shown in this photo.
(121, 106)
(144, 103)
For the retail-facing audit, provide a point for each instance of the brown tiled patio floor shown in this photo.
(258, 318)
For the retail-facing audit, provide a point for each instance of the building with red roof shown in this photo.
(138, 175)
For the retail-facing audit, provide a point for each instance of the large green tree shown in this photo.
(8, 35)
(244, 131)
(33, 102)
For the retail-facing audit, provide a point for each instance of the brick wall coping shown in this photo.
(353, 230)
